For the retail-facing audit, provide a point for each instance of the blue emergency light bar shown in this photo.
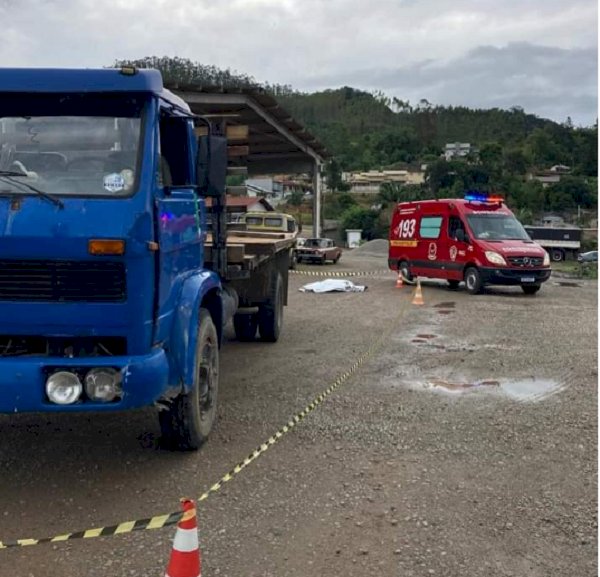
(483, 197)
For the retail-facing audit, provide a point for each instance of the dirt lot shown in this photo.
(464, 446)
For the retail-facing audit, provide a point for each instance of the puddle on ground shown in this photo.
(458, 387)
(521, 390)
(531, 390)
(445, 305)
(426, 336)
(569, 284)
(445, 312)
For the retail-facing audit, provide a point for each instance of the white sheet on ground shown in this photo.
(333, 285)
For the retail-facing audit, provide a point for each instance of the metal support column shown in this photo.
(317, 189)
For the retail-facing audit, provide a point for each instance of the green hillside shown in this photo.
(366, 131)
(371, 131)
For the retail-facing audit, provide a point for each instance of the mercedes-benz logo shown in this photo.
(526, 261)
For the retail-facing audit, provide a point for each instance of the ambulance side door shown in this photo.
(457, 247)
(430, 231)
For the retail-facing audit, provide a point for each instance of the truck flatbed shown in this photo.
(247, 250)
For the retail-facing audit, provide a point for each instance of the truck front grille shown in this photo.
(62, 281)
(526, 260)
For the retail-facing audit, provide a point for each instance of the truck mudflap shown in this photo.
(516, 276)
(22, 382)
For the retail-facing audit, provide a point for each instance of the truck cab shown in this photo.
(105, 300)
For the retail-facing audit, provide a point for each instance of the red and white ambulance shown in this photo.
(476, 239)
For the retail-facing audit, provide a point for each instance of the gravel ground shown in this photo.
(466, 444)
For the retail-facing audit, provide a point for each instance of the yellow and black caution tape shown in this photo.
(160, 521)
(341, 273)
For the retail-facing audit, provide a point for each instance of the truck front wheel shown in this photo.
(270, 314)
(557, 254)
(187, 422)
(473, 280)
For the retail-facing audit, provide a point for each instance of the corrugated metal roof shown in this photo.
(261, 112)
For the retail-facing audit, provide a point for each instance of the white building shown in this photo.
(454, 150)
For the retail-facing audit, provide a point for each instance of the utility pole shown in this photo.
(317, 190)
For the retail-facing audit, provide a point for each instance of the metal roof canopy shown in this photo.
(276, 142)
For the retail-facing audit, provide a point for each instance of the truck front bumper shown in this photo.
(145, 379)
(514, 276)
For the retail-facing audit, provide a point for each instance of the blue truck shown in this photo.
(115, 282)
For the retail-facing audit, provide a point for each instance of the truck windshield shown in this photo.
(89, 150)
(496, 227)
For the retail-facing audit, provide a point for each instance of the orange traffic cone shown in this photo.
(399, 283)
(185, 556)
(418, 299)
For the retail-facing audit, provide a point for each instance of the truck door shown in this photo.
(179, 233)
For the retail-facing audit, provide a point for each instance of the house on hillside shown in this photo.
(454, 150)
(546, 177)
(369, 182)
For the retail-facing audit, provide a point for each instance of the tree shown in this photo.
(571, 192)
(364, 219)
(333, 175)
(391, 193)
(297, 199)
(515, 161)
(490, 156)
(440, 174)
(184, 71)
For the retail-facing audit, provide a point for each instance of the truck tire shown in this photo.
(245, 326)
(557, 254)
(270, 314)
(404, 268)
(293, 260)
(530, 289)
(187, 423)
(335, 260)
(473, 280)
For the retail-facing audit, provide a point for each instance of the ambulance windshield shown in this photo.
(496, 227)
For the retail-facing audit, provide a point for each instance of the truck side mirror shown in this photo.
(211, 165)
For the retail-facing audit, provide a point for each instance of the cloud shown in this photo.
(297, 41)
(547, 81)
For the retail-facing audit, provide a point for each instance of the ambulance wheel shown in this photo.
(530, 289)
(270, 315)
(404, 268)
(187, 422)
(245, 326)
(473, 280)
(453, 284)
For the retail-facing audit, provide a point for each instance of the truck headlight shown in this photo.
(63, 388)
(103, 384)
(495, 258)
(546, 259)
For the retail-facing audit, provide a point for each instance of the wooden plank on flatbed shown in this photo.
(259, 243)
(235, 252)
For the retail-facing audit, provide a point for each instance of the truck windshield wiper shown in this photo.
(9, 176)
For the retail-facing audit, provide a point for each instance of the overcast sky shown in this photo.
(538, 54)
